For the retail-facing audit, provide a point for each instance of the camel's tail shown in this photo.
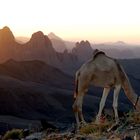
(126, 85)
(76, 84)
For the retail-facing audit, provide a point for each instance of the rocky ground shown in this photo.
(127, 129)
(129, 133)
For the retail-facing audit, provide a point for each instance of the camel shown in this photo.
(102, 71)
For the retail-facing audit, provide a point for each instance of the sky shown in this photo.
(94, 20)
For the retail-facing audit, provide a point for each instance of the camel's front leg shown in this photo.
(115, 102)
(102, 104)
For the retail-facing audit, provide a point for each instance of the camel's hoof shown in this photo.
(97, 121)
(84, 123)
(117, 122)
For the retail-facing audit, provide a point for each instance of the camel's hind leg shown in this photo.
(102, 104)
(115, 102)
(80, 110)
(77, 108)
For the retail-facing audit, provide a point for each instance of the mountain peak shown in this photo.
(52, 35)
(6, 28)
(83, 44)
(58, 43)
(38, 34)
(120, 43)
(38, 40)
(37, 37)
(6, 36)
(83, 50)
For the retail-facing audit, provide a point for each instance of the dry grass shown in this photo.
(134, 117)
(101, 129)
(96, 129)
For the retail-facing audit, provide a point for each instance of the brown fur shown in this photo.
(76, 85)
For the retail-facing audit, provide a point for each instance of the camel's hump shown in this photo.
(97, 52)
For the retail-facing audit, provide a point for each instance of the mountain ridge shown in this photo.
(38, 47)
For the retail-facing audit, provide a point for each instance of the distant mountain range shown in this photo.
(117, 49)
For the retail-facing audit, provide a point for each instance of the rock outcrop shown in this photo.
(83, 50)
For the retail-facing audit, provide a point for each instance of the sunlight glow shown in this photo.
(95, 20)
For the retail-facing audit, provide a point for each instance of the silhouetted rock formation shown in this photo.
(39, 47)
(38, 39)
(6, 36)
(7, 44)
(83, 50)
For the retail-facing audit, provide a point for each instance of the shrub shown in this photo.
(13, 134)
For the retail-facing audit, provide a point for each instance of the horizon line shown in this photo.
(70, 39)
